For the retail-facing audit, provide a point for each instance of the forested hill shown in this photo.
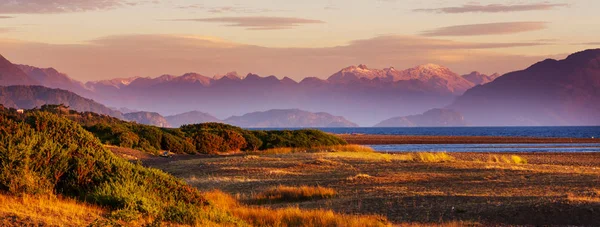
(208, 138)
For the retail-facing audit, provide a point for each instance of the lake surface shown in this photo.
(547, 147)
(567, 131)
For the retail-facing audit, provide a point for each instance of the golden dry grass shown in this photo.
(360, 176)
(338, 148)
(434, 157)
(50, 211)
(512, 159)
(47, 210)
(288, 193)
(424, 157)
(291, 216)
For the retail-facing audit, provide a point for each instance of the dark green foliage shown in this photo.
(207, 138)
(43, 153)
(307, 138)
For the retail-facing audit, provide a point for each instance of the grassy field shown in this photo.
(410, 189)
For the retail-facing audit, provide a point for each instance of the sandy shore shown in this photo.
(398, 139)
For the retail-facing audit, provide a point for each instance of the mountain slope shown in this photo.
(192, 117)
(478, 78)
(551, 92)
(28, 97)
(431, 118)
(288, 118)
(11, 74)
(50, 77)
(148, 118)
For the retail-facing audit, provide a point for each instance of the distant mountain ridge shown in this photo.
(29, 97)
(288, 118)
(431, 118)
(390, 93)
(148, 118)
(550, 92)
(478, 78)
(192, 117)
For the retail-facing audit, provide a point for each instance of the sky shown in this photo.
(104, 39)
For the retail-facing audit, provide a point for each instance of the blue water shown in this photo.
(567, 131)
(548, 147)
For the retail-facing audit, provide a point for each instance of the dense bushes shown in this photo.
(47, 154)
(208, 138)
(305, 138)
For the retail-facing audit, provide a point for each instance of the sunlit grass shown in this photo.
(292, 194)
(337, 148)
(360, 176)
(434, 157)
(293, 216)
(49, 210)
(403, 157)
(513, 159)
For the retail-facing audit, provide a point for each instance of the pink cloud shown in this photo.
(487, 29)
(493, 8)
(258, 23)
(60, 6)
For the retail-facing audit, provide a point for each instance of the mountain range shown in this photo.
(551, 92)
(359, 93)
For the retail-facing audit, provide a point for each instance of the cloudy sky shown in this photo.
(101, 39)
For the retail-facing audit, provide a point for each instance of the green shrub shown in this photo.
(209, 138)
(48, 154)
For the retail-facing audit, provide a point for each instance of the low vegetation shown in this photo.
(287, 193)
(29, 210)
(44, 156)
(207, 138)
(511, 159)
(317, 149)
(433, 157)
(292, 216)
(425, 157)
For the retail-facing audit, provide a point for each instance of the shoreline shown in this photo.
(370, 139)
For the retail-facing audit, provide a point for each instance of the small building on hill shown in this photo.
(21, 111)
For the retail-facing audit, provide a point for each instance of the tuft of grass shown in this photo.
(292, 194)
(434, 157)
(360, 176)
(286, 217)
(513, 159)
